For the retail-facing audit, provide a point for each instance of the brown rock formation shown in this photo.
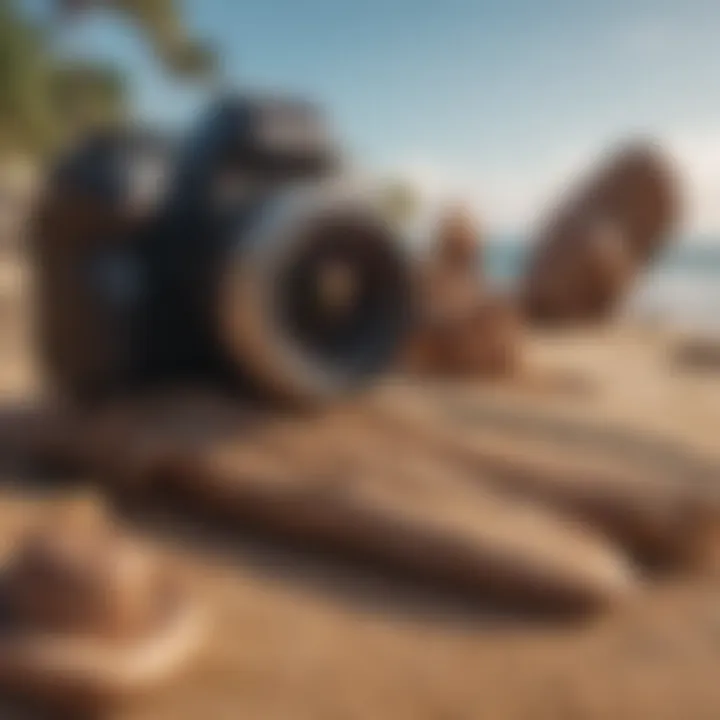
(597, 241)
(462, 330)
(480, 340)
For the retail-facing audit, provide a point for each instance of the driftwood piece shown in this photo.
(657, 509)
(661, 514)
(334, 482)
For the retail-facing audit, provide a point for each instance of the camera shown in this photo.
(243, 256)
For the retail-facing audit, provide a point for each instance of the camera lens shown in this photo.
(316, 300)
(337, 295)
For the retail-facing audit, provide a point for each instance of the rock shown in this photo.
(584, 279)
(482, 340)
(590, 250)
(451, 280)
(458, 240)
(463, 329)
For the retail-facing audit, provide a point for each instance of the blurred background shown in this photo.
(497, 104)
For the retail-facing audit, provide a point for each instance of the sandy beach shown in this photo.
(298, 635)
(359, 361)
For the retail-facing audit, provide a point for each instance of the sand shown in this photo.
(300, 635)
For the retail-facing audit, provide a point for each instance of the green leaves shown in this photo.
(85, 93)
(45, 99)
(26, 117)
(161, 23)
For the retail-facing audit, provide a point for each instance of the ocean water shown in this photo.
(682, 288)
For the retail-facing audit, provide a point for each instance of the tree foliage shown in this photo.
(26, 118)
(161, 23)
(88, 93)
(45, 98)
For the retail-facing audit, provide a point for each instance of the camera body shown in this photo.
(243, 257)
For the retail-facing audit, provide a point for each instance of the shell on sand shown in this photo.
(589, 251)
(89, 615)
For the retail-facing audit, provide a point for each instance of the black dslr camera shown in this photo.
(243, 257)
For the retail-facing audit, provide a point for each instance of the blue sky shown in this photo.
(496, 101)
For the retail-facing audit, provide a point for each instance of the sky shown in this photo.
(496, 102)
